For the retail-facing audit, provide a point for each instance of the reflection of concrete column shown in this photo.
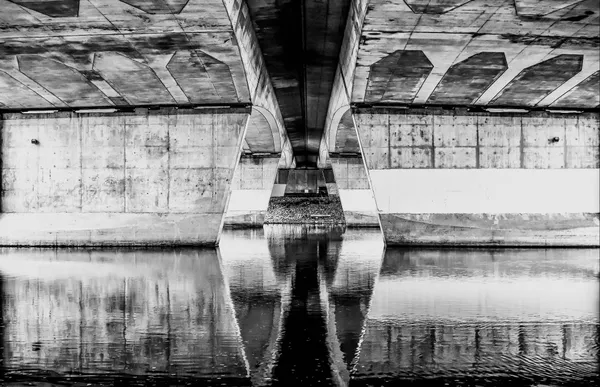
(257, 296)
(351, 289)
(304, 327)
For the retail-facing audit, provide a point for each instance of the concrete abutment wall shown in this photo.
(153, 177)
(459, 178)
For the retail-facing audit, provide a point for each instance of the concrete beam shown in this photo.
(259, 82)
(339, 101)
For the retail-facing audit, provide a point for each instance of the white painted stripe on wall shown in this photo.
(414, 191)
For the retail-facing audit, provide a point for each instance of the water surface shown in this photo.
(294, 304)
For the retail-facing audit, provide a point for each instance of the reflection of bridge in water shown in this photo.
(315, 288)
(131, 314)
(505, 315)
(249, 317)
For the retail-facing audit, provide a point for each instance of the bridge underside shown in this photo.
(469, 123)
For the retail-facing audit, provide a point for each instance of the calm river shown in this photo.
(297, 305)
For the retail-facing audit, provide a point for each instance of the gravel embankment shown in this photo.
(305, 210)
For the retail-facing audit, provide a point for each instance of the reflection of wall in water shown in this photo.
(428, 348)
(119, 312)
(526, 312)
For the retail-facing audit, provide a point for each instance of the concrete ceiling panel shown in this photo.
(158, 6)
(542, 30)
(65, 82)
(397, 77)
(465, 81)
(203, 78)
(15, 94)
(534, 83)
(585, 94)
(52, 8)
(539, 8)
(136, 82)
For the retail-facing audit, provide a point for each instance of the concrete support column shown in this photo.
(355, 194)
(146, 178)
(251, 190)
(459, 178)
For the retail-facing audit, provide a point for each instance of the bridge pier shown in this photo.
(458, 178)
(251, 190)
(150, 177)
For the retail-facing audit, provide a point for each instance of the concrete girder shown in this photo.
(300, 41)
(257, 76)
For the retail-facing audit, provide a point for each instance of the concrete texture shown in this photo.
(354, 191)
(259, 82)
(464, 178)
(150, 177)
(512, 54)
(497, 229)
(116, 53)
(300, 42)
(251, 189)
(550, 50)
(459, 139)
(299, 181)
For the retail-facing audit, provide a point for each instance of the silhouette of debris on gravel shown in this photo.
(308, 209)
